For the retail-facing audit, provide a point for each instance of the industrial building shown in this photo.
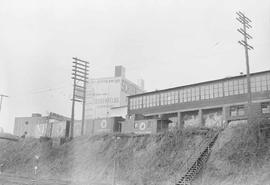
(214, 103)
(53, 125)
(106, 101)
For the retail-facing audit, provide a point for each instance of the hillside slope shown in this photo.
(240, 156)
(236, 158)
(149, 159)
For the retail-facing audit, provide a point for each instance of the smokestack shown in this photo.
(119, 71)
(140, 83)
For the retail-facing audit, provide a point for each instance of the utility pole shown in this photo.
(1, 100)
(115, 158)
(79, 75)
(246, 25)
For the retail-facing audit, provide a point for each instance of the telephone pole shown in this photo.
(1, 100)
(245, 21)
(79, 75)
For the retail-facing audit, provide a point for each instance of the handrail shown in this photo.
(202, 146)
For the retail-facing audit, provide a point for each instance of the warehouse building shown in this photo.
(106, 101)
(53, 125)
(212, 104)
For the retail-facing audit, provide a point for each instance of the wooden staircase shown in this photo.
(196, 161)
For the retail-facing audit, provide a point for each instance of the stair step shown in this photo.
(198, 164)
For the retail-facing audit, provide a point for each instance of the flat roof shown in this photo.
(200, 83)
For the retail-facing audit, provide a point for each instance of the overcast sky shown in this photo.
(166, 42)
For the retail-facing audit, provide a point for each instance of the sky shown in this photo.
(167, 43)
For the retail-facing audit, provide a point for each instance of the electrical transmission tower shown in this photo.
(246, 25)
(1, 100)
(79, 75)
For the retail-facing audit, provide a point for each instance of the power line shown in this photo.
(43, 90)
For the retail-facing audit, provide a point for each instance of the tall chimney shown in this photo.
(140, 83)
(119, 71)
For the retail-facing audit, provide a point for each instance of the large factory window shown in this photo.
(260, 83)
(135, 103)
(264, 83)
(164, 98)
(193, 93)
(241, 86)
(211, 91)
(226, 88)
(202, 93)
(153, 100)
(170, 98)
(206, 92)
(238, 110)
(230, 88)
(131, 104)
(181, 96)
(139, 102)
(265, 107)
(197, 93)
(188, 94)
(157, 99)
(161, 99)
(235, 87)
(150, 101)
(245, 86)
(144, 102)
(216, 91)
(147, 101)
(184, 95)
(175, 96)
(268, 82)
(220, 90)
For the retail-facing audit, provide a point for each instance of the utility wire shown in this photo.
(43, 90)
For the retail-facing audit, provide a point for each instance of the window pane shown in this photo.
(245, 85)
(202, 93)
(238, 110)
(258, 84)
(226, 88)
(241, 110)
(235, 87)
(197, 93)
(268, 81)
(181, 96)
(231, 87)
(241, 86)
(264, 83)
(233, 111)
(207, 92)
(265, 107)
(253, 84)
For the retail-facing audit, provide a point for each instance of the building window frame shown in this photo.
(265, 107)
(237, 110)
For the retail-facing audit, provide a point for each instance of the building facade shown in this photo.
(106, 98)
(36, 126)
(212, 103)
